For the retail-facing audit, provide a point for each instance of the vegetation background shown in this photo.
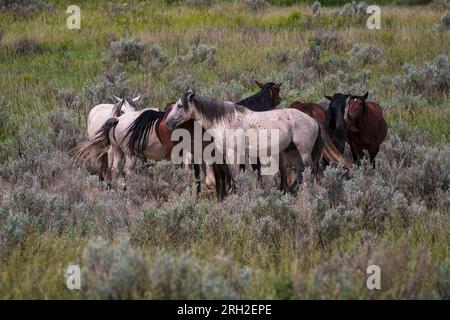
(161, 240)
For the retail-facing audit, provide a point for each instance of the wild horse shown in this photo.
(366, 127)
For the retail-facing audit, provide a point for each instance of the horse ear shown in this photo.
(329, 98)
(190, 95)
(137, 98)
(364, 97)
(118, 99)
(279, 85)
(259, 84)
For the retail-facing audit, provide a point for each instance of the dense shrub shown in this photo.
(361, 54)
(256, 5)
(327, 39)
(351, 9)
(158, 181)
(184, 276)
(199, 53)
(113, 271)
(28, 46)
(443, 280)
(316, 8)
(225, 91)
(125, 50)
(156, 58)
(114, 82)
(12, 231)
(26, 7)
(433, 77)
(183, 82)
(68, 99)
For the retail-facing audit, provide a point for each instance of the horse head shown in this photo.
(356, 106)
(336, 110)
(273, 89)
(128, 104)
(181, 110)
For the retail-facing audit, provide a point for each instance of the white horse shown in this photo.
(115, 138)
(100, 113)
(299, 136)
(97, 117)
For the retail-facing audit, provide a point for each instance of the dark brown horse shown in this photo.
(366, 127)
(222, 174)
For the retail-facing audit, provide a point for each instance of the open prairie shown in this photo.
(159, 238)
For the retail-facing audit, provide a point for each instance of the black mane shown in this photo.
(139, 130)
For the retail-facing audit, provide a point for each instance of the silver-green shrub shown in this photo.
(113, 270)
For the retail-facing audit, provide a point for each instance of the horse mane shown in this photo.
(139, 130)
(261, 101)
(117, 110)
(214, 110)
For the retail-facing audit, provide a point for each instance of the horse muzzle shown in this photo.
(171, 124)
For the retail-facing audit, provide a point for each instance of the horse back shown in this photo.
(313, 110)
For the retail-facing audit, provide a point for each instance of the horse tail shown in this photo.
(139, 131)
(331, 153)
(96, 149)
(318, 147)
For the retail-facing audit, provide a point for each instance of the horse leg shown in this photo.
(356, 153)
(197, 177)
(110, 166)
(282, 165)
(257, 168)
(103, 167)
(299, 164)
(117, 159)
(373, 151)
(130, 163)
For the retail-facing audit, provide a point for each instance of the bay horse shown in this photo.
(366, 127)
(267, 98)
(97, 117)
(299, 137)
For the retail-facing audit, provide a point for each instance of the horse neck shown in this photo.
(261, 101)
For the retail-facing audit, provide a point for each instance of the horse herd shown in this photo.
(308, 134)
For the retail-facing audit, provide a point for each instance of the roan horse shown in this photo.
(216, 174)
(366, 127)
(97, 117)
(266, 99)
(299, 136)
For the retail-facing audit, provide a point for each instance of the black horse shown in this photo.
(266, 99)
(335, 112)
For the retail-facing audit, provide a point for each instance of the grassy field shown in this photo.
(161, 240)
